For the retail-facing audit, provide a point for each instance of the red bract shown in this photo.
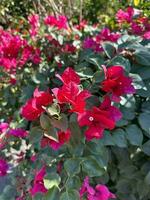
(30, 110)
(68, 48)
(101, 192)
(43, 98)
(63, 137)
(3, 167)
(117, 83)
(106, 35)
(33, 107)
(99, 118)
(69, 75)
(38, 185)
(60, 22)
(71, 94)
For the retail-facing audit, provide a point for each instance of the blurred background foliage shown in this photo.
(76, 10)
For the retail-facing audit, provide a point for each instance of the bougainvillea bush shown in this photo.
(75, 109)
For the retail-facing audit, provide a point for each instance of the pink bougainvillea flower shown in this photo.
(38, 185)
(69, 75)
(147, 35)
(3, 167)
(137, 28)
(117, 83)
(99, 118)
(86, 188)
(10, 48)
(125, 16)
(18, 132)
(101, 192)
(70, 93)
(63, 137)
(60, 22)
(34, 22)
(3, 127)
(90, 43)
(33, 107)
(81, 25)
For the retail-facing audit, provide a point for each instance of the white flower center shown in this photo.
(91, 119)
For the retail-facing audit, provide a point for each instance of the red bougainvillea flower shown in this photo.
(63, 137)
(18, 132)
(101, 192)
(99, 118)
(69, 75)
(33, 107)
(60, 22)
(38, 185)
(68, 48)
(106, 35)
(43, 98)
(3, 167)
(117, 83)
(71, 94)
(125, 16)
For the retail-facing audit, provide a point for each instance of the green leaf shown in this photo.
(119, 60)
(137, 81)
(51, 180)
(91, 167)
(54, 110)
(73, 183)
(52, 194)
(35, 134)
(45, 122)
(70, 195)
(109, 49)
(72, 166)
(108, 139)
(142, 57)
(147, 178)
(144, 121)
(98, 77)
(146, 147)
(61, 123)
(134, 135)
(96, 60)
(119, 137)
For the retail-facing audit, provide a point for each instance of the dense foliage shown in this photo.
(75, 109)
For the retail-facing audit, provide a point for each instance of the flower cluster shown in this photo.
(100, 192)
(15, 52)
(138, 23)
(59, 22)
(95, 43)
(70, 93)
